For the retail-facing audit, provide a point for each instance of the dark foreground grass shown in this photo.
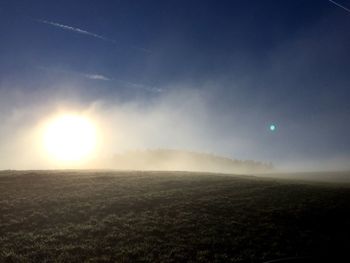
(168, 217)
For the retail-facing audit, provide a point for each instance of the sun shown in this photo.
(70, 138)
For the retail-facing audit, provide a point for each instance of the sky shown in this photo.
(206, 76)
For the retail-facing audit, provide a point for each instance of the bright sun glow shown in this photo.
(70, 138)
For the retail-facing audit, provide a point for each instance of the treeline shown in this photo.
(175, 160)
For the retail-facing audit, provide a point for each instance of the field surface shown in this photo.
(105, 216)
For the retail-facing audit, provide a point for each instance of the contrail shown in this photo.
(339, 5)
(75, 29)
(84, 32)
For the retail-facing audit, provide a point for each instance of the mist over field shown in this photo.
(185, 120)
(181, 121)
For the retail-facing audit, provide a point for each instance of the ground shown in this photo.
(106, 216)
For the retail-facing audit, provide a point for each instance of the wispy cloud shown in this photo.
(339, 5)
(100, 77)
(96, 77)
(140, 86)
(123, 82)
(92, 76)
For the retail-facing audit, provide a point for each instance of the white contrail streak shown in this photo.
(84, 32)
(339, 5)
(74, 29)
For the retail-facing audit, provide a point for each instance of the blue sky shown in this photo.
(228, 69)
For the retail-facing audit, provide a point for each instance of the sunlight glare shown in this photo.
(70, 138)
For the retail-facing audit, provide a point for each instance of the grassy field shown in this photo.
(103, 216)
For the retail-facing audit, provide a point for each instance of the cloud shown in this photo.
(101, 77)
(92, 76)
(140, 86)
(127, 83)
(96, 77)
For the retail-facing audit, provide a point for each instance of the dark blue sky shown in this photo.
(251, 63)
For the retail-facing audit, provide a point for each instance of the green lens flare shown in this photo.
(273, 127)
